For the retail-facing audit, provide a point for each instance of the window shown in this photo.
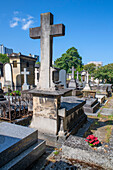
(27, 64)
(15, 63)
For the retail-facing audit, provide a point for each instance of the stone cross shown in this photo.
(87, 78)
(77, 75)
(46, 32)
(25, 73)
(73, 70)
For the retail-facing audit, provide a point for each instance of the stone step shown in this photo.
(27, 157)
(14, 139)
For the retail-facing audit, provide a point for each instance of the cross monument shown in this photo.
(45, 33)
(73, 70)
(25, 85)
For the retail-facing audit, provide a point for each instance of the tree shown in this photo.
(90, 68)
(69, 59)
(105, 73)
(4, 58)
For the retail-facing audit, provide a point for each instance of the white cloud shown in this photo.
(13, 24)
(27, 25)
(16, 19)
(25, 21)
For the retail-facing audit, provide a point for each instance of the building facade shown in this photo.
(18, 63)
(5, 50)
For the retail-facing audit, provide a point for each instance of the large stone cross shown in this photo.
(46, 32)
(73, 70)
(25, 73)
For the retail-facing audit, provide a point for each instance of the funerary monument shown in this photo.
(53, 114)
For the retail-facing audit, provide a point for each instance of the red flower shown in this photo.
(91, 139)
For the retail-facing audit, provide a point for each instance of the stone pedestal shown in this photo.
(25, 87)
(89, 93)
(72, 84)
(54, 116)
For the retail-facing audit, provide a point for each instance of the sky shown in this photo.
(88, 27)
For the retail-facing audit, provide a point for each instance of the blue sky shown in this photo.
(89, 26)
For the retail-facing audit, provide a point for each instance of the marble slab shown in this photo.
(14, 139)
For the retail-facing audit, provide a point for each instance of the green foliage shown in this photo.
(105, 73)
(69, 59)
(56, 152)
(14, 93)
(4, 58)
(90, 68)
(38, 62)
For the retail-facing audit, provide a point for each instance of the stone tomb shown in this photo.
(19, 146)
(101, 98)
(46, 97)
(92, 105)
(57, 116)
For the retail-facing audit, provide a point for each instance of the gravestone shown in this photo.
(72, 83)
(8, 81)
(62, 77)
(19, 146)
(25, 86)
(87, 87)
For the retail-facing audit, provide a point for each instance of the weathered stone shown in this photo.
(77, 148)
(46, 33)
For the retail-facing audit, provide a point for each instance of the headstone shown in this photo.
(8, 82)
(25, 86)
(62, 77)
(87, 87)
(72, 83)
(46, 32)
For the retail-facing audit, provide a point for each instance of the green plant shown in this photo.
(56, 152)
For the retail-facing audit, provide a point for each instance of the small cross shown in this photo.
(46, 32)
(25, 73)
(73, 70)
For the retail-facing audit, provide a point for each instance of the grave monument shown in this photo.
(53, 115)
(25, 86)
(62, 77)
(8, 80)
(19, 146)
(72, 83)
